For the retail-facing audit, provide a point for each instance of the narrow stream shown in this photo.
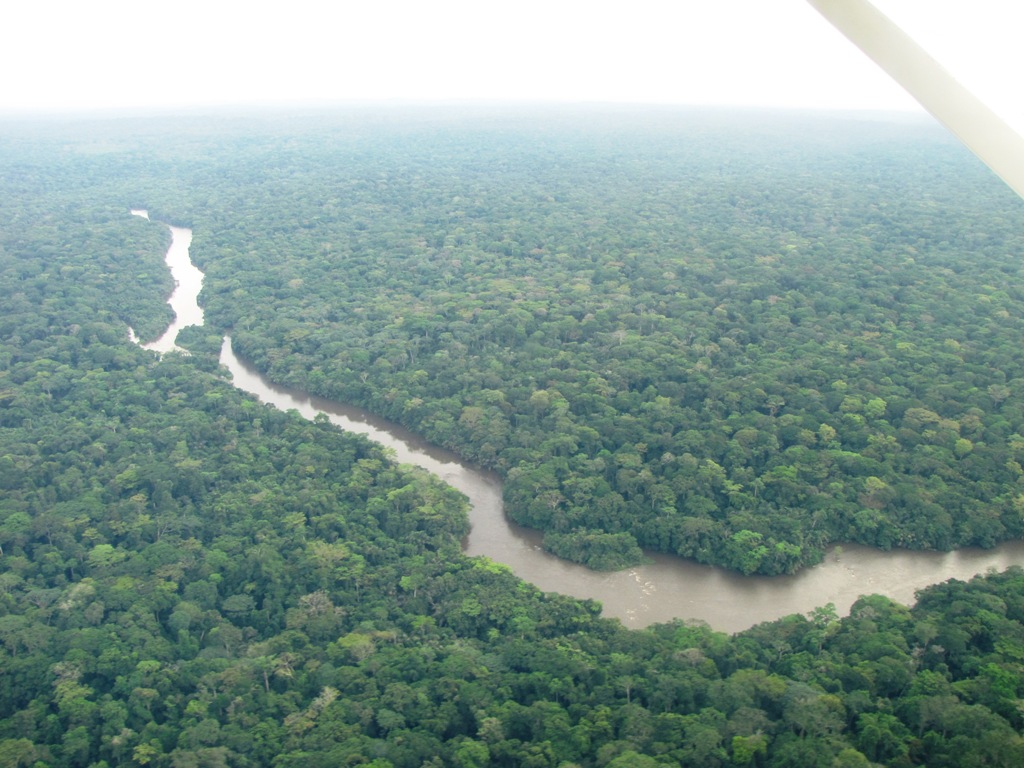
(667, 588)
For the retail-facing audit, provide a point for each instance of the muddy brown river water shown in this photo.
(667, 588)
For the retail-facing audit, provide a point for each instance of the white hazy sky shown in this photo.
(68, 56)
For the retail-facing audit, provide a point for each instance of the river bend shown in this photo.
(667, 588)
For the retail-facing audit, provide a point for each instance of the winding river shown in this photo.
(665, 589)
(188, 282)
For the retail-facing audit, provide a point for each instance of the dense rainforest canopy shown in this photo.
(188, 578)
(733, 338)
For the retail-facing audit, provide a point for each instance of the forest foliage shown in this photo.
(737, 341)
(189, 578)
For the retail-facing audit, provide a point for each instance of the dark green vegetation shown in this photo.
(734, 340)
(188, 578)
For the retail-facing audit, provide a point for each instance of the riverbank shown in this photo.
(667, 588)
